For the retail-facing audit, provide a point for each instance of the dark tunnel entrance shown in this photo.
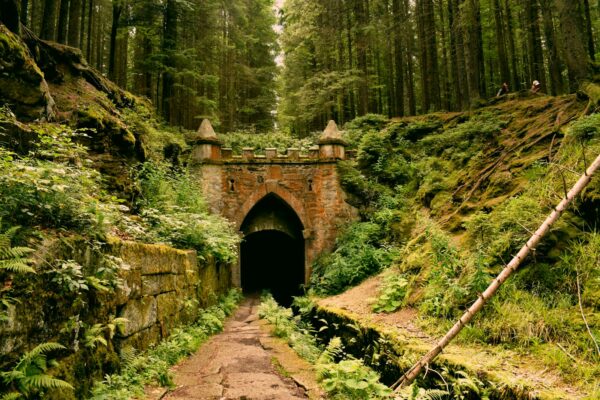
(272, 252)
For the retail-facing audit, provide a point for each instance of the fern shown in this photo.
(12, 396)
(14, 259)
(29, 375)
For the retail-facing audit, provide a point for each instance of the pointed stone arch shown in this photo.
(272, 188)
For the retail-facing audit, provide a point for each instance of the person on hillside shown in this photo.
(536, 86)
(503, 90)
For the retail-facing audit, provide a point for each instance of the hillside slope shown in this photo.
(446, 200)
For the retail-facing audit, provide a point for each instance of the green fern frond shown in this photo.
(43, 381)
(4, 242)
(12, 376)
(38, 351)
(436, 394)
(14, 252)
(12, 396)
(17, 265)
(14, 258)
(11, 232)
(128, 355)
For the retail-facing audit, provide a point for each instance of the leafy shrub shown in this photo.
(13, 258)
(586, 128)
(349, 378)
(357, 256)
(379, 155)
(53, 195)
(173, 208)
(503, 231)
(341, 376)
(392, 294)
(356, 183)
(261, 141)
(358, 127)
(482, 128)
(290, 328)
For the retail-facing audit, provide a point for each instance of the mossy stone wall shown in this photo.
(162, 288)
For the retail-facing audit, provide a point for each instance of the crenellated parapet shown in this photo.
(207, 149)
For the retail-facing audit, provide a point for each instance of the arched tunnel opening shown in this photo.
(272, 252)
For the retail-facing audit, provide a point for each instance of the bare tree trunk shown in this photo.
(511, 47)
(588, 30)
(501, 43)
(63, 22)
(554, 64)
(48, 31)
(9, 15)
(511, 267)
(25, 12)
(576, 58)
(74, 23)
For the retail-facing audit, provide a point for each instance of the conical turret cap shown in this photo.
(332, 131)
(331, 134)
(206, 130)
(206, 134)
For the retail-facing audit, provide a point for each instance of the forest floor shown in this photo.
(503, 366)
(243, 362)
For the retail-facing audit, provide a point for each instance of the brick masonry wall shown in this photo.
(310, 187)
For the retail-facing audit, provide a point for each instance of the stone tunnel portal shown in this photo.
(273, 250)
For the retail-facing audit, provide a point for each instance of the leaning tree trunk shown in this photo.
(511, 267)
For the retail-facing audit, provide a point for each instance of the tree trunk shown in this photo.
(512, 48)
(577, 58)
(445, 70)
(48, 31)
(432, 55)
(554, 64)
(589, 31)
(510, 268)
(534, 43)
(117, 9)
(169, 46)
(90, 28)
(361, 53)
(408, 45)
(9, 15)
(458, 92)
(501, 43)
(63, 22)
(25, 12)
(399, 20)
(425, 72)
(74, 23)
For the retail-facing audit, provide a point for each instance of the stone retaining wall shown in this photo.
(162, 287)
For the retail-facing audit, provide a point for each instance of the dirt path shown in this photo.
(243, 362)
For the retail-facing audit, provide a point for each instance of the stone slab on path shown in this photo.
(243, 362)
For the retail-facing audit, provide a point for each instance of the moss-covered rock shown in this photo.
(22, 84)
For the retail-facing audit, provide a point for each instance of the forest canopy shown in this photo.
(341, 58)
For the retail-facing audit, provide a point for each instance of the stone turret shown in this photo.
(206, 145)
(331, 144)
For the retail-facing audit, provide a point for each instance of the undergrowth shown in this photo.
(152, 366)
(456, 197)
(340, 375)
(261, 141)
(173, 211)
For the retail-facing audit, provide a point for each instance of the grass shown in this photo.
(469, 191)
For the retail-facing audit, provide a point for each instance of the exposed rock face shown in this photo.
(22, 83)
